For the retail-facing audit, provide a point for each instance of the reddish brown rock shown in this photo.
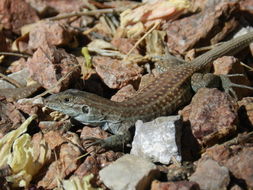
(60, 6)
(210, 175)
(55, 64)
(246, 111)
(237, 158)
(29, 108)
(10, 117)
(241, 165)
(89, 166)
(116, 73)
(182, 185)
(51, 33)
(96, 132)
(212, 115)
(66, 163)
(124, 45)
(15, 14)
(214, 23)
(54, 139)
(94, 163)
(230, 65)
(124, 93)
(60, 126)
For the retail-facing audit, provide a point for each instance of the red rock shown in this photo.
(181, 185)
(15, 14)
(212, 115)
(11, 118)
(55, 63)
(241, 165)
(237, 158)
(51, 33)
(210, 175)
(89, 166)
(210, 22)
(116, 73)
(61, 6)
(124, 45)
(96, 132)
(66, 163)
(124, 93)
(54, 139)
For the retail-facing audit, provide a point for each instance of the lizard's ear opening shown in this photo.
(85, 109)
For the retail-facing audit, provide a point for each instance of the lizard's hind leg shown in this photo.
(228, 85)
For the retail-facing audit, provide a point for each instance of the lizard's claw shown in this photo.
(228, 85)
(112, 142)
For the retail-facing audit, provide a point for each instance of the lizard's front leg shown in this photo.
(120, 138)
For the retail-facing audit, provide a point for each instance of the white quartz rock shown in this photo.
(158, 140)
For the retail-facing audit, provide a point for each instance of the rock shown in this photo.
(215, 21)
(11, 117)
(124, 93)
(51, 33)
(210, 175)
(67, 160)
(115, 73)
(158, 140)
(246, 111)
(20, 76)
(237, 157)
(241, 165)
(128, 173)
(15, 14)
(124, 45)
(55, 64)
(181, 185)
(212, 115)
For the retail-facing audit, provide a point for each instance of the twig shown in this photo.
(12, 81)
(15, 54)
(92, 12)
(248, 67)
(142, 38)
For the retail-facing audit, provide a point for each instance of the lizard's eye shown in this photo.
(66, 100)
(85, 109)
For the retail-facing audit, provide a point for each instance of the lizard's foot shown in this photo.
(112, 142)
(228, 85)
(208, 80)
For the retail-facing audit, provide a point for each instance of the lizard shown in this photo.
(163, 96)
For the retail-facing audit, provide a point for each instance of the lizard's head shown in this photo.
(77, 104)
